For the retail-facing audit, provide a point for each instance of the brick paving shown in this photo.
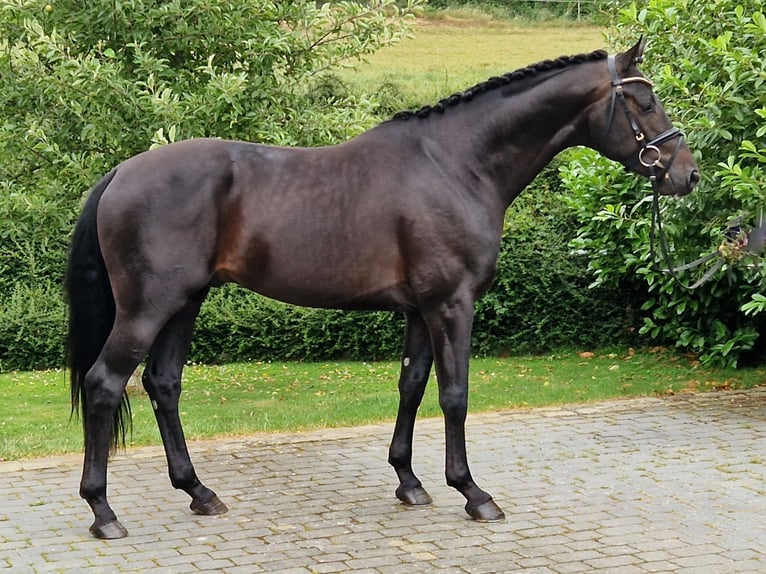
(634, 486)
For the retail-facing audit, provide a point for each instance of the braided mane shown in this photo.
(499, 82)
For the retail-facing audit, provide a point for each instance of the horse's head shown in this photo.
(629, 125)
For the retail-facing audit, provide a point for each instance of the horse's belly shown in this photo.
(303, 276)
(335, 294)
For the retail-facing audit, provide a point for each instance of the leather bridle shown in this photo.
(648, 153)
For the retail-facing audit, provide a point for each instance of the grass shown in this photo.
(453, 50)
(240, 399)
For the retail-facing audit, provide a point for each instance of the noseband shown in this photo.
(648, 153)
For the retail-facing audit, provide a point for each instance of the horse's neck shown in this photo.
(511, 139)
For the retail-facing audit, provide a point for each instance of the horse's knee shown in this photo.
(414, 377)
(454, 404)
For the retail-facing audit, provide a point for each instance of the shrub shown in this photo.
(237, 325)
(540, 299)
(32, 327)
(706, 59)
(78, 98)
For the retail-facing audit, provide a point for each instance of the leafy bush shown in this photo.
(32, 327)
(540, 299)
(237, 325)
(706, 59)
(78, 98)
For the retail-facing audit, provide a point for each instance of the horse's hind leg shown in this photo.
(162, 381)
(104, 388)
(415, 369)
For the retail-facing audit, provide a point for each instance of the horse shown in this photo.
(405, 217)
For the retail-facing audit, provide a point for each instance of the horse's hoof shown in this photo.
(416, 496)
(208, 508)
(108, 530)
(485, 512)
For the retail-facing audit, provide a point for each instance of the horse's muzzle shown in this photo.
(679, 180)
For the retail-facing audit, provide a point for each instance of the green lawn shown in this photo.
(267, 397)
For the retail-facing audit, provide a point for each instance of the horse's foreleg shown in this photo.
(450, 328)
(162, 381)
(416, 367)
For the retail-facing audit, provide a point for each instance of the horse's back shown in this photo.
(314, 226)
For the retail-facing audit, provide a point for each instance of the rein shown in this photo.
(649, 155)
(738, 245)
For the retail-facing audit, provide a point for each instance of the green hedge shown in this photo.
(541, 298)
(707, 61)
(32, 327)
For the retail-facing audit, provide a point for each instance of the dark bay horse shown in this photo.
(406, 217)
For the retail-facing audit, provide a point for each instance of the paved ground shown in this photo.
(648, 485)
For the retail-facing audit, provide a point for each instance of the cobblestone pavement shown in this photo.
(647, 485)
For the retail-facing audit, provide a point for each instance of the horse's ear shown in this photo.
(633, 56)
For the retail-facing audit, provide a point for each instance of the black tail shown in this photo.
(91, 309)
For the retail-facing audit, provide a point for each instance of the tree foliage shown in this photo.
(86, 85)
(706, 59)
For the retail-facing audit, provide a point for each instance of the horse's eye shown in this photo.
(647, 107)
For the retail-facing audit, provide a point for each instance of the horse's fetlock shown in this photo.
(460, 480)
(94, 495)
(184, 478)
(399, 456)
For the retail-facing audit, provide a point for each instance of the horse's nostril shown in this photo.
(694, 178)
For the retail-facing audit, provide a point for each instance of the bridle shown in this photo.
(648, 154)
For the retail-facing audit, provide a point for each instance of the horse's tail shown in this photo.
(91, 310)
